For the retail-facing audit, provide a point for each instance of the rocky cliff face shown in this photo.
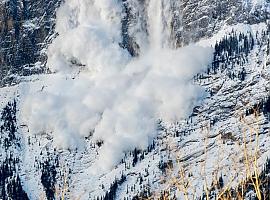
(190, 21)
(237, 85)
(26, 28)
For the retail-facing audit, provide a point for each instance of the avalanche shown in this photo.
(113, 97)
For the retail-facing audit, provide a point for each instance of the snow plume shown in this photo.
(112, 97)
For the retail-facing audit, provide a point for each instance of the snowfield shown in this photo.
(102, 123)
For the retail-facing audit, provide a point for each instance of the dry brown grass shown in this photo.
(249, 169)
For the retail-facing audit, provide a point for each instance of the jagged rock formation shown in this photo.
(190, 21)
(26, 28)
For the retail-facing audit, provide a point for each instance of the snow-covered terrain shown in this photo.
(123, 114)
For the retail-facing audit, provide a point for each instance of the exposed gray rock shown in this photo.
(25, 30)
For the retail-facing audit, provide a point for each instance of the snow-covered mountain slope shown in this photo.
(86, 132)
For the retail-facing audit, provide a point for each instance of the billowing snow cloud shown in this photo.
(116, 98)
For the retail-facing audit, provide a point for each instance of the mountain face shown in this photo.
(27, 27)
(26, 30)
(52, 52)
(189, 21)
